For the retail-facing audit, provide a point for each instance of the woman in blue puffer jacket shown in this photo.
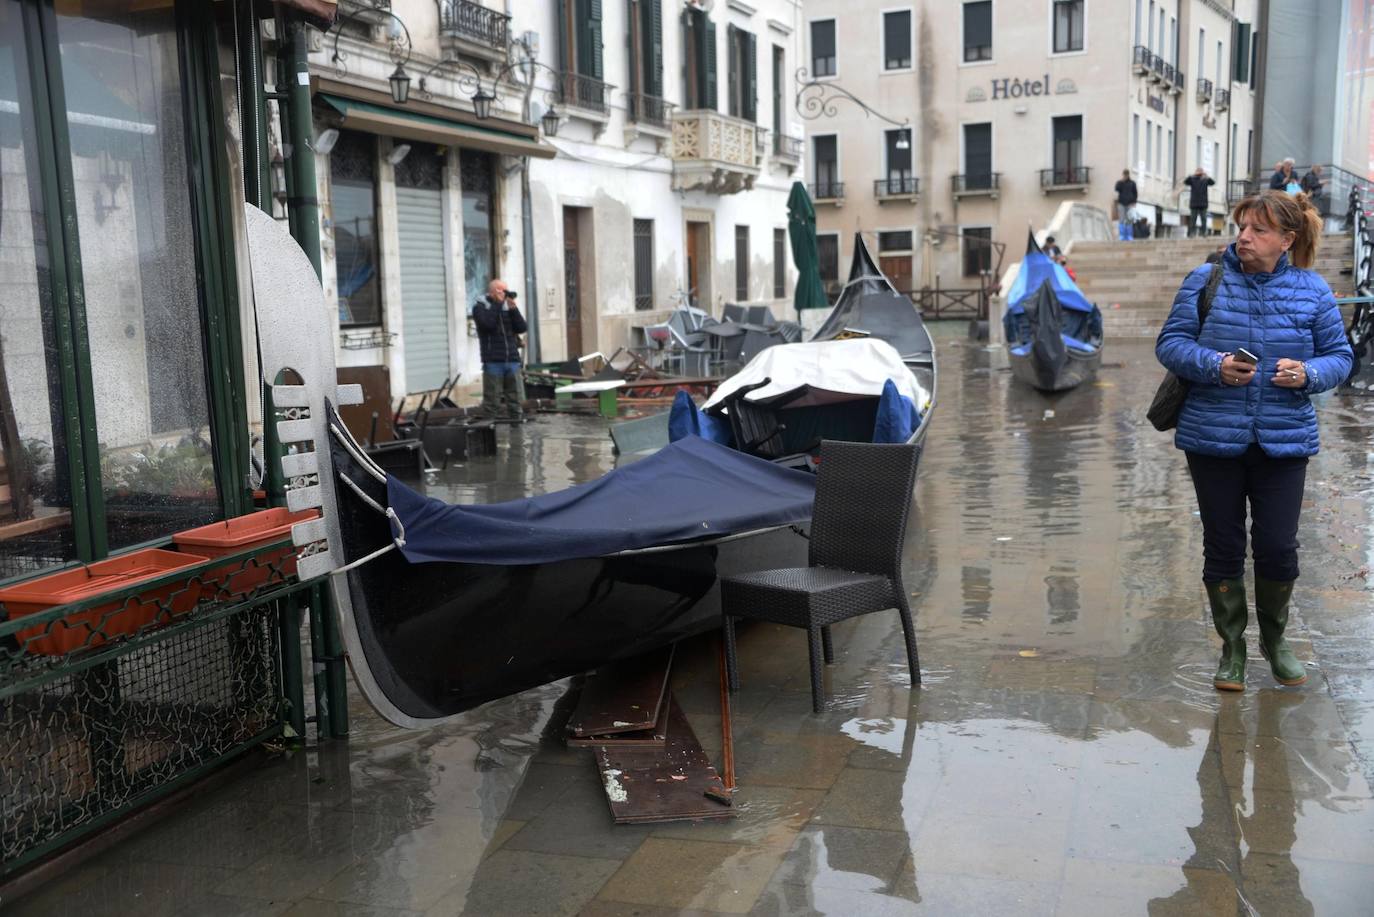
(1248, 430)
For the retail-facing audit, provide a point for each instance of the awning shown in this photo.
(411, 125)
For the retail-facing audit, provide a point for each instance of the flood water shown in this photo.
(1066, 753)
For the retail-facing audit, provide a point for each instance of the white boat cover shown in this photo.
(831, 371)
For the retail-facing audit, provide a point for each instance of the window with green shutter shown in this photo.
(699, 60)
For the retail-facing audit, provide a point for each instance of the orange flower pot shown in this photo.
(231, 536)
(94, 626)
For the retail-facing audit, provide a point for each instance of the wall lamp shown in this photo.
(483, 95)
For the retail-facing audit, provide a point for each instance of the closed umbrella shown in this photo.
(801, 230)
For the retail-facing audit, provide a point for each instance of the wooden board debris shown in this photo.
(640, 738)
(663, 784)
(623, 697)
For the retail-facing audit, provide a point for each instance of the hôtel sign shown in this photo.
(1017, 88)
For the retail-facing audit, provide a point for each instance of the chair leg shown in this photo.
(913, 661)
(731, 657)
(813, 641)
(828, 645)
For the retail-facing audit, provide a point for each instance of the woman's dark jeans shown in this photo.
(1273, 487)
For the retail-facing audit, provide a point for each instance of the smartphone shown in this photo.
(1244, 356)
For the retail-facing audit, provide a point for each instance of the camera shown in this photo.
(511, 294)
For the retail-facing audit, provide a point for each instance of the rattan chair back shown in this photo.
(863, 501)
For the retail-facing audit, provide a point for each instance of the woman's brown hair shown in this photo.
(1287, 213)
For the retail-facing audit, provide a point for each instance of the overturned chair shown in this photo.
(858, 526)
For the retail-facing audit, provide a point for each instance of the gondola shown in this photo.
(868, 375)
(444, 608)
(1053, 333)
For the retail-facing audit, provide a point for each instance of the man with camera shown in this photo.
(499, 326)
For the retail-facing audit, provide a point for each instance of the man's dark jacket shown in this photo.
(498, 329)
(1280, 179)
(1126, 193)
(1197, 195)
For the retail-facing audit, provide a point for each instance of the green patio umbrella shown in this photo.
(801, 229)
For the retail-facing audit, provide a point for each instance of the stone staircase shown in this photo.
(1134, 283)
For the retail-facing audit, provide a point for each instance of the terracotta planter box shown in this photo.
(231, 536)
(94, 626)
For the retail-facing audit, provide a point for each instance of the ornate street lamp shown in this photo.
(818, 97)
(550, 122)
(399, 47)
(483, 95)
(481, 104)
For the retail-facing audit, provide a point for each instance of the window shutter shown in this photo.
(751, 78)
(594, 40)
(653, 78)
(732, 68)
(708, 63)
(634, 49)
(1240, 52)
(566, 61)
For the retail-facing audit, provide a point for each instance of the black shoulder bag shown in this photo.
(1168, 400)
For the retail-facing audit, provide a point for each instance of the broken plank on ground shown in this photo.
(624, 696)
(662, 784)
(639, 738)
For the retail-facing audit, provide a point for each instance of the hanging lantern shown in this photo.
(481, 104)
(549, 122)
(400, 85)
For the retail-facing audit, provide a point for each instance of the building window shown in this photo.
(1068, 25)
(1173, 41)
(1068, 149)
(827, 165)
(898, 146)
(1150, 26)
(823, 62)
(1159, 149)
(1149, 147)
(779, 263)
(1254, 59)
(646, 62)
(1249, 152)
(1139, 18)
(978, 30)
(644, 265)
(1135, 143)
(977, 156)
(743, 74)
(828, 257)
(699, 60)
(1171, 153)
(897, 40)
(353, 194)
(977, 250)
(477, 176)
(742, 263)
(1201, 52)
(580, 51)
(894, 257)
(779, 83)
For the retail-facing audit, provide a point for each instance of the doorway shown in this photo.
(572, 282)
(699, 264)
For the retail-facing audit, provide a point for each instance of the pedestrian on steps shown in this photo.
(1248, 429)
(1126, 196)
(1197, 185)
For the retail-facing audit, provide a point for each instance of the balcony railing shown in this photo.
(785, 147)
(646, 109)
(976, 182)
(1237, 188)
(1064, 177)
(1204, 89)
(1179, 81)
(1222, 100)
(584, 92)
(827, 191)
(1167, 74)
(474, 22)
(1140, 59)
(1156, 68)
(901, 186)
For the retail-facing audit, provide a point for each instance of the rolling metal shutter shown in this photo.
(424, 295)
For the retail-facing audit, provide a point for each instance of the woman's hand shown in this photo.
(1291, 374)
(1234, 372)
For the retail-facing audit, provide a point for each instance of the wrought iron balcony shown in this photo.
(1179, 81)
(1140, 59)
(790, 148)
(971, 183)
(1156, 68)
(827, 191)
(1167, 74)
(901, 186)
(474, 22)
(713, 152)
(1238, 188)
(643, 108)
(1204, 89)
(1222, 100)
(584, 92)
(1064, 178)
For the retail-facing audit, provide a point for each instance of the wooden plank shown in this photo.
(665, 784)
(624, 696)
(640, 738)
(36, 524)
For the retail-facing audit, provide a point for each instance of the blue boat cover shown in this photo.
(686, 419)
(1036, 268)
(688, 490)
(897, 417)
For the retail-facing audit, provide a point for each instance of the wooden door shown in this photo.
(572, 270)
(695, 250)
(898, 270)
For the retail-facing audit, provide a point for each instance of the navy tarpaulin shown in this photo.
(688, 490)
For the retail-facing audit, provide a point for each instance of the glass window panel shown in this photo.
(779, 263)
(1068, 26)
(741, 263)
(978, 31)
(353, 214)
(827, 163)
(35, 496)
(898, 159)
(895, 241)
(823, 48)
(479, 265)
(131, 172)
(828, 256)
(897, 40)
(977, 250)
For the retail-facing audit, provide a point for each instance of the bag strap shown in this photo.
(1209, 293)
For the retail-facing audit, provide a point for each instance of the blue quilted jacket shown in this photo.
(1289, 313)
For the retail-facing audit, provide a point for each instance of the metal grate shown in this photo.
(644, 265)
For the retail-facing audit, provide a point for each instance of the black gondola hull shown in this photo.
(1075, 370)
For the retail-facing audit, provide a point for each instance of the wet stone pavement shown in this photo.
(1065, 755)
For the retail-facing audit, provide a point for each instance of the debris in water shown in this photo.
(1029, 654)
(1049, 412)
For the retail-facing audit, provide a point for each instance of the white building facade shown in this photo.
(1005, 110)
(664, 181)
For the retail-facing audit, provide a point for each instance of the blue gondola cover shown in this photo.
(688, 490)
(686, 419)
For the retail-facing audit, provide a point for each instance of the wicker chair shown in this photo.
(863, 500)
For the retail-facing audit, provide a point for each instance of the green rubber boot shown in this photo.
(1271, 608)
(1229, 616)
